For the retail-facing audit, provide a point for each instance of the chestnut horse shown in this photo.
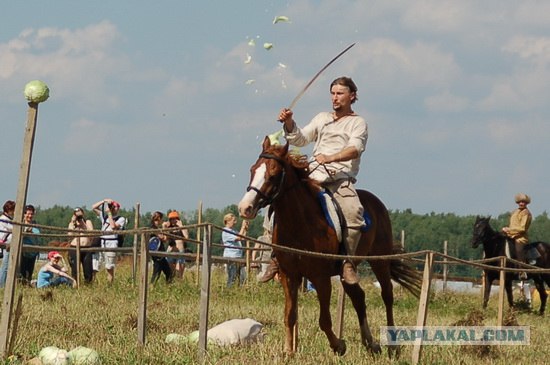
(494, 245)
(281, 179)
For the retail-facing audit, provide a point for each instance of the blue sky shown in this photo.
(154, 102)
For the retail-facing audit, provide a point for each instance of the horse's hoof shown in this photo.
(375, 348)
(394, 352)
(340, 348)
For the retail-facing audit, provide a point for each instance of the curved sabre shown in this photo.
(317, 75)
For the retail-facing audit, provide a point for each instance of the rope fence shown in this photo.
(203, 257)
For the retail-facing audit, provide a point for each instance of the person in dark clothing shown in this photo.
(157, 243)
(28, 258)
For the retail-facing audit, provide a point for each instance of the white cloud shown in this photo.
(436, 16)
(397, 66)
(533, 49)
(446, 102)
(76, 64)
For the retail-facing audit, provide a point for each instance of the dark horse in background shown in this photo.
(494, 245)
(281, 179)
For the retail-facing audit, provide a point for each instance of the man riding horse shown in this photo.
(520, 220)
(340, 138)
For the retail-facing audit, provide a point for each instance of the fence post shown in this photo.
(423, 305)
(142, 310)
(198, 258)
(16, 240)
(134, 249)
(340, 311)
(502, 283)
(205, 294)
(445, 268)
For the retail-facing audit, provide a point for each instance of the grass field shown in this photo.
(104, 318)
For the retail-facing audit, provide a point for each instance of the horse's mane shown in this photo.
(299, 164)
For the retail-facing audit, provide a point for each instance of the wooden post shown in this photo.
(403, 239)
(143, 287)
(78, 255)
(135, 246)
(445, 268)
(16, 242)
(198, 258)
(501, 284)
(18, 309)
(247, 260)
(205, 294)
(423, 305)
(340, 311)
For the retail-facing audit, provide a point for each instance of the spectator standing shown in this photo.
(158, 242)
(107, 210)
(176, 241)
(263, 253)
(52, 274)
(79, 222)
(6, 228)
(28, 258)
(233, 248)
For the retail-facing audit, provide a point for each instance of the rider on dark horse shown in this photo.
(340, 138)
(520, 220)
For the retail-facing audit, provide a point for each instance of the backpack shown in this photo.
(154, 243)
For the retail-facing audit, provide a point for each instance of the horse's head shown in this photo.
(481, 230)
(267, 177)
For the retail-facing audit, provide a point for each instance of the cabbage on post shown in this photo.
(37, 91)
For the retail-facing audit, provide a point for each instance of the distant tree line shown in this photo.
(421, 231)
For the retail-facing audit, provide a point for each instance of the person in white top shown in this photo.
(107, 210)
(339, 138)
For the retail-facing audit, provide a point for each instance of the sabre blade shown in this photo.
(301, 93)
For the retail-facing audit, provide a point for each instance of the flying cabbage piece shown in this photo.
(36, 91)
(274, 137)
(281, 18)
(268, 46)
(252, 42)
(248, 59)
(250, 82)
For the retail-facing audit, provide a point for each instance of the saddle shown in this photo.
(335, 217)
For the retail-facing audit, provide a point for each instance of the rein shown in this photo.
(264, 199)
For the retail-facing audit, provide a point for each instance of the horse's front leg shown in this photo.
(508, 287)
(323, 288)
(487, 291)
(290, 287)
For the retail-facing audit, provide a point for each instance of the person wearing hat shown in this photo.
(107, 210)
(52, 274)
(520, 220)
(176, 242)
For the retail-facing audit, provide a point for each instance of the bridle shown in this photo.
(265, 200)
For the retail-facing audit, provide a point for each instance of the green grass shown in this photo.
(104, 318)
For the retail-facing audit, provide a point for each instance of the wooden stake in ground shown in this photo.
(35, 92)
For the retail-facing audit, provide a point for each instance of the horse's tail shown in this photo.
(404, 274)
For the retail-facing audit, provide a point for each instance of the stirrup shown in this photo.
(270, 272)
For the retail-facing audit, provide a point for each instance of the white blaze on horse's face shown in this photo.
(247, 207)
